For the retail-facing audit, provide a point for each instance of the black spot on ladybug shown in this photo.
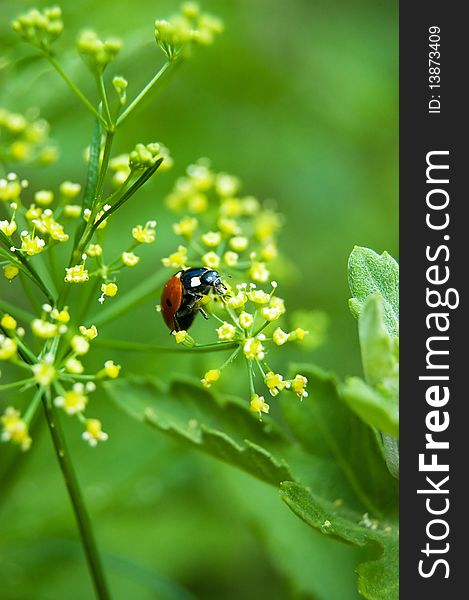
(168, 302)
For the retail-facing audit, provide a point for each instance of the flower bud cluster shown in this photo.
(40, 28)
(25, 138)
(97, 53)
(189, 27)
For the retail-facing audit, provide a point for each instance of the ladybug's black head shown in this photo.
(212, 278)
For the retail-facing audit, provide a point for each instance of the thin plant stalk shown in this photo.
(81, 514)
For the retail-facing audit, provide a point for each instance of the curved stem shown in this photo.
(145, 91)
(76, 498)
(73, 87)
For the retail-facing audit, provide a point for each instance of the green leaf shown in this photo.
(378, 350)
(193, 415)
(344, 458)
(369, 273)
(377, 579)
(375, 408)
(328, 463)
(93, 167)
(377, 403)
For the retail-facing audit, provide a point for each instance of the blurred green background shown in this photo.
(299, 99)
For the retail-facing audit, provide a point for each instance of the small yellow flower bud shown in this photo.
(69, 190)
(90, 333)
(259, 272)
(211, 239)
(226, 185)
(186, 226)
(259, 405)
(111, 370)
(280, 337)
(198, 203)
(32, 245)
(210, 377)
(177, 259)
(298, 385)
(298, 334)
(145, 235)
(130, 259)
(245, 320)
(8, 227)
(239, 243)
(44, 329)
(8, 322)
(229, 226)
(10, 272)
(231, 258)
(43, 373)
(253, 349)
(73, 401)
(79, 344)
(269, 251)
(44, 197)
(109, 289)
(8, 348)
(73, 365)
(275, 383)
(94, 433)
(237, 301)
(259, 297)
(73, 211)
(271, 313)
(180, 336)
(62, 316)
(94, 250)
(211, 260)
(226, 331)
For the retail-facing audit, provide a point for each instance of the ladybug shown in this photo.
(182, 293)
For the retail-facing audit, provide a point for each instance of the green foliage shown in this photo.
(325, 461)
(376, 402)
(369, 273)
(374, 283)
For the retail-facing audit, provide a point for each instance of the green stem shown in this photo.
(76, 498)
(250, 377)
(14, 384)
(103, 170)
(142, 347)
(102, 93)
(127, 194)
(144, 91)
(75, 89)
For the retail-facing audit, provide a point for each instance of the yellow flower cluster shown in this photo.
(190, 26)
(247, 316)
(50, 371)
(241, 238)
(25, 138)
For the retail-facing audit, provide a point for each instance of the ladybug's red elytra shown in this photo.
(182, 293)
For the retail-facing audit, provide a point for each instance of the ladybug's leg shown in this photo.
(203, 313)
